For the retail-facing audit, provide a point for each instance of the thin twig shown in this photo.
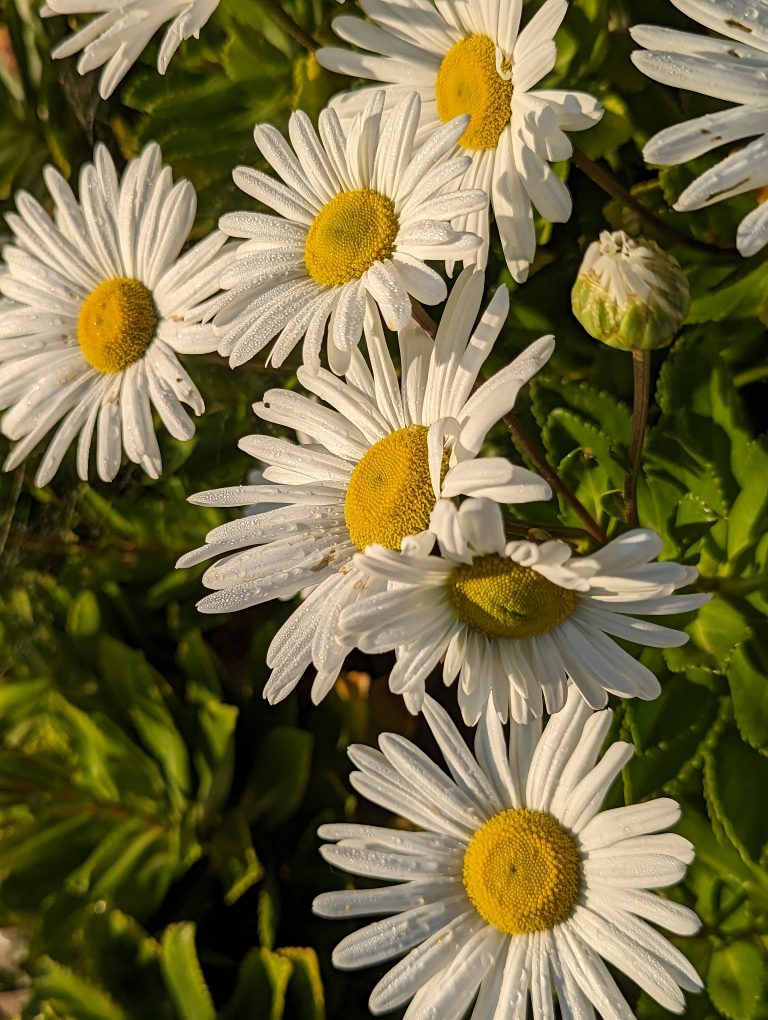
(641, 371)
(286, 22)
(608, 183)
(537, 457)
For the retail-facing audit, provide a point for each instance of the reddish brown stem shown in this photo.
(641, 371)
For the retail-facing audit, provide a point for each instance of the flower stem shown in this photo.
(536, 457)
(528, 447)
(641, 370)
(608, 183)
(286, 22)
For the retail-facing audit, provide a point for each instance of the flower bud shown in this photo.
(629, 293)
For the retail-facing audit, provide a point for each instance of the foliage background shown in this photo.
(157, 819)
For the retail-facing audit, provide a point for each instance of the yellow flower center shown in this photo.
(390, 494)
(504, 600)
(468, 82)
(350, 233)
(117, 323)
(522, 871)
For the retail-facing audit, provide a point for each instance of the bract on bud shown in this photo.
(630, 293)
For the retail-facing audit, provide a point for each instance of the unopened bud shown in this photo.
(630, 293)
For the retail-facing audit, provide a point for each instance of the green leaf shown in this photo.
(749, 691)
(233, 857)
(748, 516)
(742, 297)
(737, 981)
(715, 631)
(139, 690)
(72, 995)
(306, 998)
(261, 988)
(735, 779)
(84, 617)
(588, 461)
(183, 975)
(279, 777)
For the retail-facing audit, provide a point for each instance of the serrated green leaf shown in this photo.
(742, 297)
(748, 515)
(71, 994)
(737, 980)
(305, 997)
(749, 690)
(183, 974)
(715, 631)
(262, 983)
(735, 778)
(268, 912)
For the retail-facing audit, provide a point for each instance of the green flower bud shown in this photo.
(630, 294)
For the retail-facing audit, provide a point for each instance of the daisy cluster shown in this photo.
(389, 517)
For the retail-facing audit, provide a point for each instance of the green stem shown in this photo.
(286, 22)
(608, 183)
(750, 375)
(641, 369)
(538, 532)
(733, 585)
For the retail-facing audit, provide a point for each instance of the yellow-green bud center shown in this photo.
(522, 871)
(468, 82)
(117, 323)
(390, 494)
(350, 233)
(504, 600)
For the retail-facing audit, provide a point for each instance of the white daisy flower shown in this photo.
(122, 30)
(359, 213)
(517, 619)
(515, 882)
(100, 305)
(382, 452)
(734, 69)
(471, 58)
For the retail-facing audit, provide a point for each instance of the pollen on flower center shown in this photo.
(522, 871)
(468, 82)
(504, 600)
(390, 494)
(117, 323)
(350, 233)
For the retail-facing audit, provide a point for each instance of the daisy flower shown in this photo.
(381, 452)
(471, 58)
(735, 69)
(359, 213)
(515, 882)
(122, 30)
(100, 305)
(517, 619)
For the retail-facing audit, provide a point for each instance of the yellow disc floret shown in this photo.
(497, 596)
(522, 871)
(350, 233)
(390, 493)
(117, 323)
(468, 82)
